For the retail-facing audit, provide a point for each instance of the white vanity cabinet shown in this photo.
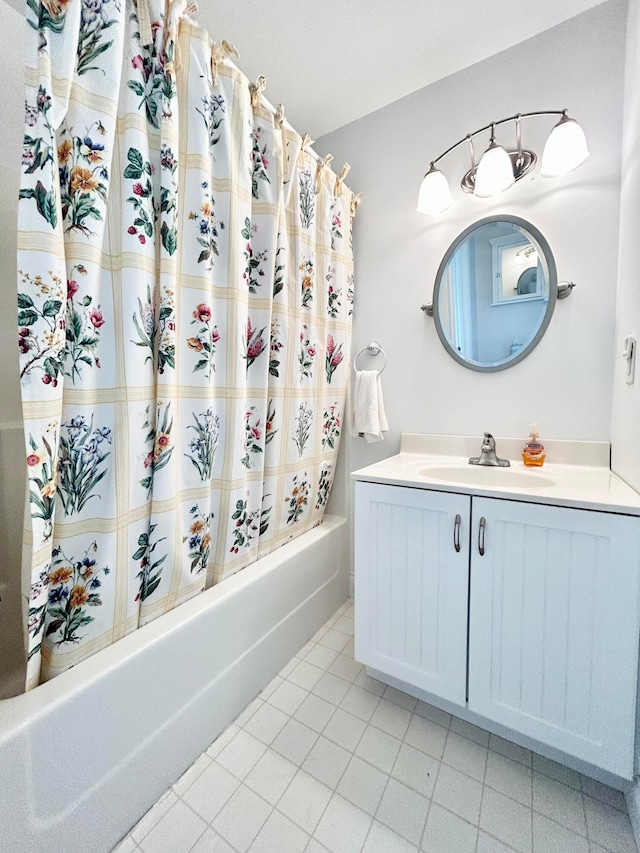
(550, 611)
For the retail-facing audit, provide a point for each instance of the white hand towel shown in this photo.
(369, 418)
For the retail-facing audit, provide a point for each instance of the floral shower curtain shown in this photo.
(185, 293)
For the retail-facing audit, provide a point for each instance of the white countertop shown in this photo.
(561, 483)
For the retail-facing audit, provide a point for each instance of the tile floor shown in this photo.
(328, 759)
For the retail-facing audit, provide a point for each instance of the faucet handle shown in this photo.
(490, 440)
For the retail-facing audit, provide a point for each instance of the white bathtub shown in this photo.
(83, 756)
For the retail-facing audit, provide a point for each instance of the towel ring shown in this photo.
(373, 348)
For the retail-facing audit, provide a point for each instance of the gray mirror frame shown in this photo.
(553, 292)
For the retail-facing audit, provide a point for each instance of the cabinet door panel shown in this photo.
(553, 634)
(411, 586)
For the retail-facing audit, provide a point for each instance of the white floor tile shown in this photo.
(391, 718)
(511, 750)
(316, 847)
(345, 729)
(304, 651)
(359, 702)
(315, 712)
(371, 684)
(506, 820)
(363, 785)
(604, 793)
(295, 741)
(446, 832)
(416, 770)
(288, 668)
(550, 837)
(471, 732)
(326, 762)
(383, 840)
(211, 790)
(220, 742)
(510, 778)
(239, 756)
(489, 844)
(242, 818)
(344, 625)
(556, 771)
(271, 776)
(306, 675)
(176, 832)
(211, 842)
(319, 634)
(305, 800)
(287, 697)
(271, 686)
(378, 748)
(267, 723)
(345, 667)
(248, 712)
(465, 755)
(321, 656)
(281, 835)
(343, 827)
(426, 736)
(559, 802)
(400, 698)
(458, 793)
(349, 649)
(331, 688)
(404, 811)
(435, 715)
(334, 640)
(127, 845)
(153, 816)
(188, 778)
(609, 827)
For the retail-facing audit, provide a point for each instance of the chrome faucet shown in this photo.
(488, 454)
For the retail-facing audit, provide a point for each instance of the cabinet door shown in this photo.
(553, 631)
(411, 586)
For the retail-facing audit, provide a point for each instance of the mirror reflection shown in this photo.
(495, 293)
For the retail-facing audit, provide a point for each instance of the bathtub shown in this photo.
(84, 756)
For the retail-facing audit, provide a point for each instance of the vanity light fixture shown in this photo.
(498, 169)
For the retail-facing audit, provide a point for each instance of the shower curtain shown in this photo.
(185, 299)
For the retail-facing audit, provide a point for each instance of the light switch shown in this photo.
(629, 355)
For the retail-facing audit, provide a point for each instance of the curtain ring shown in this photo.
(355, 201)
(220, 50)
(325, 161)
(256, 89)
(343, 174)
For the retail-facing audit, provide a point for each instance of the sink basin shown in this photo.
(482, 475)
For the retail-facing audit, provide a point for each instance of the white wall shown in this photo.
(626, 398)
(565, 384)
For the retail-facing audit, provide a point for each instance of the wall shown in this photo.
(12, 468)
(626, 398)
(565, 384)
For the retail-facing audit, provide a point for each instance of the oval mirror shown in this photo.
(495, 292)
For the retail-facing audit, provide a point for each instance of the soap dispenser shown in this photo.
(533, 454)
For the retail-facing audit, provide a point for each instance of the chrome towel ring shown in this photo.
(373, 348)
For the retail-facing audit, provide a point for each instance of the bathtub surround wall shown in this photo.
(12, 475)
(565, 384)
(189, 419)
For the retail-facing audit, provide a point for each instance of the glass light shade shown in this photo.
(435, 195)
(494, 173)
(566, 149)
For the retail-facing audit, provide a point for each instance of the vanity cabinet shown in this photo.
(546, 597)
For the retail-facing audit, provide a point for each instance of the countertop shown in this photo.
(560, 483)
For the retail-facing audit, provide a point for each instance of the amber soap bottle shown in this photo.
(533, 454)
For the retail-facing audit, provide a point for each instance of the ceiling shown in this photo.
(333, 61)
